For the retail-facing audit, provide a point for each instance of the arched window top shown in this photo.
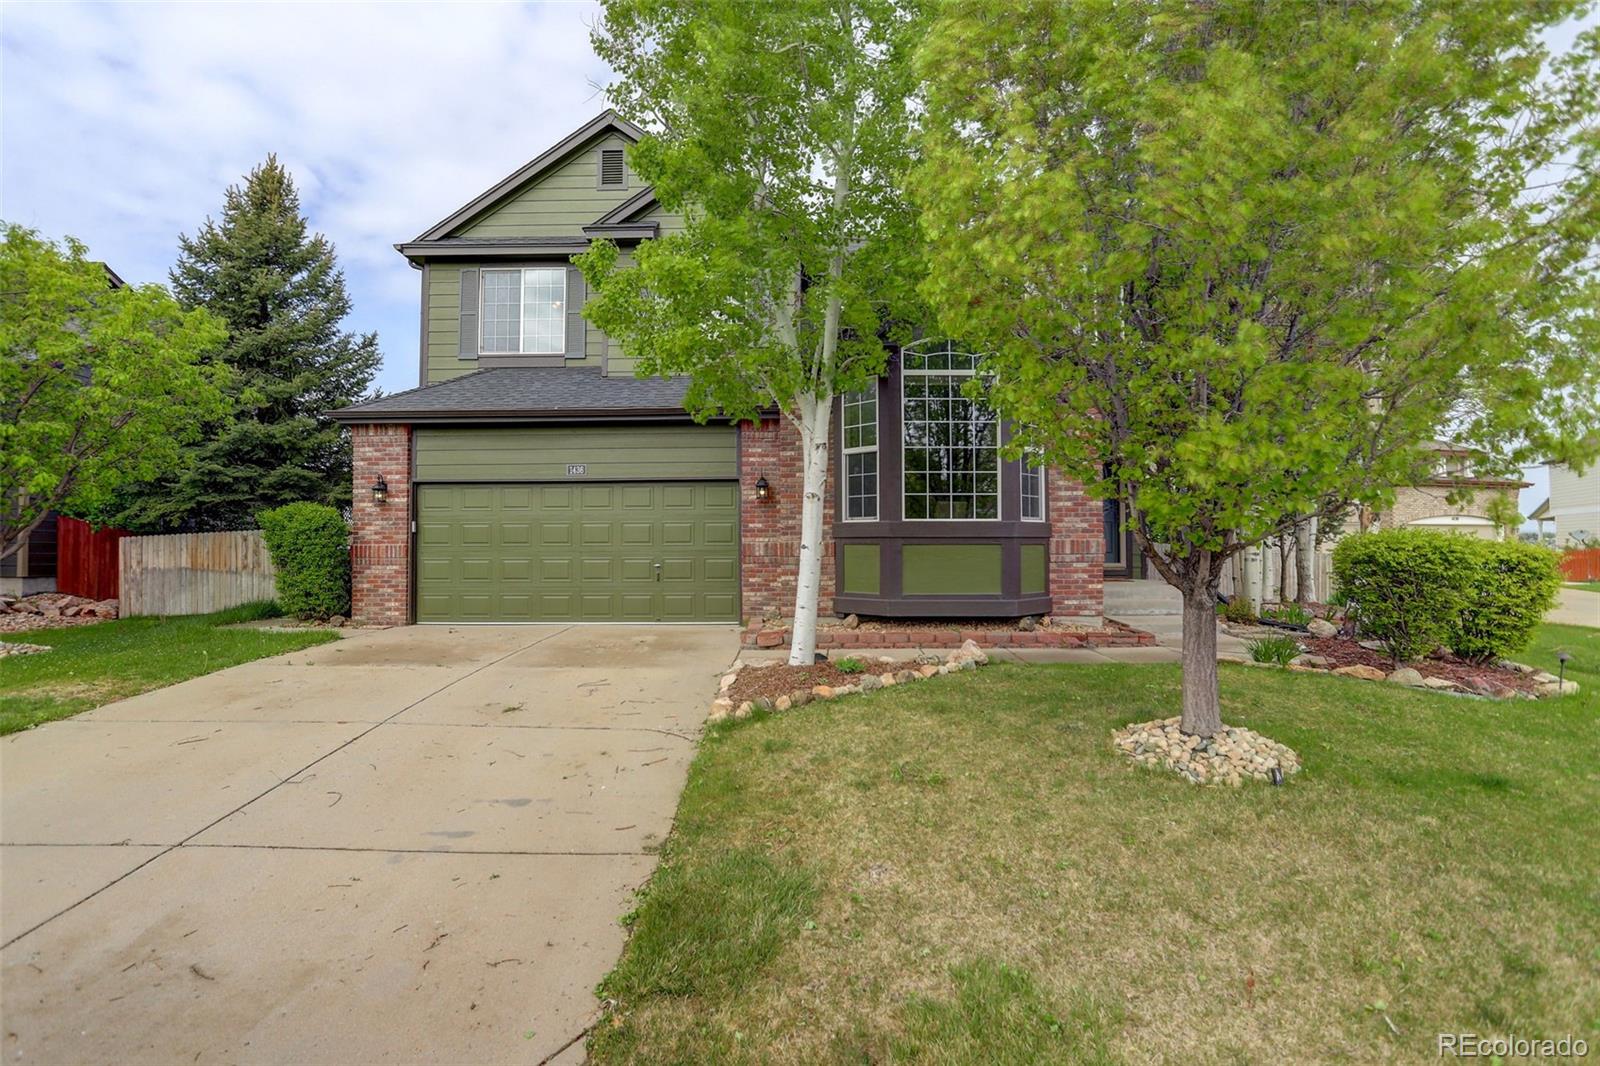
(938, 356)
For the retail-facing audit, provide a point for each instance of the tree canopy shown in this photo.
(101, 384)
(1237, 262)
(281, 293)
(781, 133)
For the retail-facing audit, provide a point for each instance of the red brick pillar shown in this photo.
(1077, 552)
(769, 530)
(380, 545)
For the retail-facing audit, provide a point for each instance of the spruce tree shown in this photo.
(283, 297)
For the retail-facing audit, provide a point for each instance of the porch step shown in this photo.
(1141, 597)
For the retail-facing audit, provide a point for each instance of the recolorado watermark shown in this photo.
(1473, 1046)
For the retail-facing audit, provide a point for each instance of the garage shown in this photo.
(617, 523)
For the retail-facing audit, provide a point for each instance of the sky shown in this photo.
(122, 125)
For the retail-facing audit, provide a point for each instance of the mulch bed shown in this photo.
(944, 633)
(782, 679)
(1341, 652)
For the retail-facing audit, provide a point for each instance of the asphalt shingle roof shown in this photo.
(538, 392)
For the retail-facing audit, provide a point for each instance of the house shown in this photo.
(1480, 499)
(1573, 507)
(532, 477)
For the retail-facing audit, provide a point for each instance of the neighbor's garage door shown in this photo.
(614, 552)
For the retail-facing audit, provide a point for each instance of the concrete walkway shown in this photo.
(1576, 607)
(411, 845)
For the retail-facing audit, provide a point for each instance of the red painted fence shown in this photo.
(87, 559)
(1581, 564)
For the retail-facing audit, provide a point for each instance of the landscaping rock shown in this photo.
(886, 680)
(850, 622)
(18, 648)
(727, 682)
(1521, 668)
(1027, 625)
(1556, 687)
(800, 697)
(1321, 627)
(1228, 757)
(1315, 662)
(1544, 677)
(782, 703)
(1365, 673)
(744, 710)
(1406, 676)
(822, 692)
(1371, 645)
(1441, 684)
(927, 670)
(869, 682)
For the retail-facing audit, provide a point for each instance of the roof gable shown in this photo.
(519, 196)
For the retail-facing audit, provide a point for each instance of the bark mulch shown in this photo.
(1488, 679)
(782, 679)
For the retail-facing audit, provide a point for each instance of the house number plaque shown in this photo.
(577, 469)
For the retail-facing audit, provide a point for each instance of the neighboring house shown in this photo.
(532, 477)
(1573, 507)
(1427, 503)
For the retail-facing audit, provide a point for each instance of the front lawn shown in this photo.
(96, 664)
(963, 871)
(1587, 586)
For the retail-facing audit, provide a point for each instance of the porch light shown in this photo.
(763, 490)
(380, 490)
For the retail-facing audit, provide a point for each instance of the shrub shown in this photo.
(1275, 649)
(1407, 586)
(851, 665)
(1512, 586)
(1237, 611)
(1292, 613)
(310, 547)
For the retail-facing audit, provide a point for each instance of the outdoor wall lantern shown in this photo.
(380, 490)
(763, 490)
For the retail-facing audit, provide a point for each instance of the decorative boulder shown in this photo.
(1406, 676)
(1321, 627)
(1363, 672)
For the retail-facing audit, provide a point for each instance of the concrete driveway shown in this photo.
(1576, 607)
(408, 846)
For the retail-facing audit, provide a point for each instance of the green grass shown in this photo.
(95, 664)
(1587, 586)
(964, 871)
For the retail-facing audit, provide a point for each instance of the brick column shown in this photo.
(769, 530)
(1077, 552)
(380, 544)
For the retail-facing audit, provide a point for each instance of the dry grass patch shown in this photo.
(988, 881)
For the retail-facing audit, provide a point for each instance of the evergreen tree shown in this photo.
(283, 296)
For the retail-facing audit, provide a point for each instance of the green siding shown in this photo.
(860, 569)
(559, 203)
(1033, 579)
(615, 453)
(444, 326)
(666, 221)
(950, 569)
(662, 552)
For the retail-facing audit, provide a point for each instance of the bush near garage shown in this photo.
(1512, 585)
(310, 546)
(1408, 587)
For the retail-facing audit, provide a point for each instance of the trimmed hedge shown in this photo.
(1417, 589)
(1512, 586)
(310, 546)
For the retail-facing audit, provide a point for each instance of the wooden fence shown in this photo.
(1581, 564)
(195, 573)
(87, 559)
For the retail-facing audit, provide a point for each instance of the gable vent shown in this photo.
(611, 171)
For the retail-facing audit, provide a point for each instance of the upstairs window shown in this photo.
(859, 425)
(524, 311)
(1032, 489)
(613, 174)
(952, 453)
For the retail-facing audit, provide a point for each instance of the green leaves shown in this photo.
(99, 386)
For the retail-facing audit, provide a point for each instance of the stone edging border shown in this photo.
(1548, 685)
(755, 636)
(968, 657)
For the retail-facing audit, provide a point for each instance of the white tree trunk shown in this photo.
(816, 413)
(1305, 560)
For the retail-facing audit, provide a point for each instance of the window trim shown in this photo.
(1024, 465)
(845, 452)
(522, 324)
(999, 461)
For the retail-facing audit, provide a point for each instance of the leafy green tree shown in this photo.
(100, 384)
(781, 132)
(282, 295)
(1238, 262)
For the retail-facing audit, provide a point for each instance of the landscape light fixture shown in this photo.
(380, 490)
(763, 490)
(1561, 671)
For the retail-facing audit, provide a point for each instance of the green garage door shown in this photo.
(626, 552)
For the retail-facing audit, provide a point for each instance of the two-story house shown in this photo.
(531, 477)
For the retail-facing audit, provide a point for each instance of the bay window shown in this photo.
(1032, 489)
(524, 311)
(951, 452)
(860, 427)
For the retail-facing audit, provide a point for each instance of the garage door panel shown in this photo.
(565, 553)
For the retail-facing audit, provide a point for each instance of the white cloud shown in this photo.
(122, 124)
